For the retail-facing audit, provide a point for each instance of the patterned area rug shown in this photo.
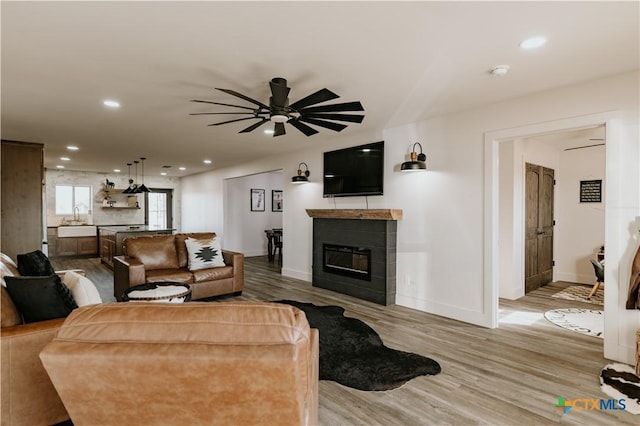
(580, 293)
(585, 321)
(620, 382)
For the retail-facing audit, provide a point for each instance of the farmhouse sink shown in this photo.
(77, 231)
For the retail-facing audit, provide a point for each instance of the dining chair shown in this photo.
(598, 268)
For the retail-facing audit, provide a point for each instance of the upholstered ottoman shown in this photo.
(164, 292)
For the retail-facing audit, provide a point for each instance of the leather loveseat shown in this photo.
(164, 258)
(28, 396)
(230, 363)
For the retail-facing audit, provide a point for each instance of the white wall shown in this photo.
(103, 216)
(442, 244)
(243, 228)
(580, 226)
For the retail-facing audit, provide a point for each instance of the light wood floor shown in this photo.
(506, 376)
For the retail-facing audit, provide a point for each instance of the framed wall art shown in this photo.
(591, 191)
(276, 201)
(257, 200)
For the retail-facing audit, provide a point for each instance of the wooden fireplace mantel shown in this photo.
(366, 214)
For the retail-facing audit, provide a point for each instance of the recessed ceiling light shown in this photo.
(116, 170)
(533, 42)
(72, 148)
(207, 161)
(269, 131)
(65, 158)
(163, 173)
(111, 103)
(500, 70)
(59, 166)
(182, 168)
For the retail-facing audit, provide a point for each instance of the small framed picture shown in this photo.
(257, 200)
(591, 191)
(276, 201)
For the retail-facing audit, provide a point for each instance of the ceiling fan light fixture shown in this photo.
(279, 118)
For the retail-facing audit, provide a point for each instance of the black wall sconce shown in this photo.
(303, 176)
(417, 161)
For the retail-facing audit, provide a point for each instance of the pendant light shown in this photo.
(129, 188)
(134, 187)
(143, 188)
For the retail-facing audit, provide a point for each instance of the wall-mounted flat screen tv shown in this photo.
(354, 171)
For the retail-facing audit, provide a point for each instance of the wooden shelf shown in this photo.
(366, 214)
(121, 208)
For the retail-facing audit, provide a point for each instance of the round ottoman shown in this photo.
(165, 292)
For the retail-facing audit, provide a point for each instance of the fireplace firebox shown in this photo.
(346, 260)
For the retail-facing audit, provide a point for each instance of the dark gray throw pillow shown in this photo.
(35, 264)
(40, 298)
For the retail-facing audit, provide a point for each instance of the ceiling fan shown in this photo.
(279, 111)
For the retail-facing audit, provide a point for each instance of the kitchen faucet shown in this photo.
(76, 213)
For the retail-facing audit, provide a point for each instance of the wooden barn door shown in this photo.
(539, 223)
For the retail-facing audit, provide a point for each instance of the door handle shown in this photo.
(540, 232)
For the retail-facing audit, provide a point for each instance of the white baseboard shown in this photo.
(299, 275)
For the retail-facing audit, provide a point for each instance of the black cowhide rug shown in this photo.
(352, 353)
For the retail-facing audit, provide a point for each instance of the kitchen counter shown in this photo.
(134, 228)
(111, 239)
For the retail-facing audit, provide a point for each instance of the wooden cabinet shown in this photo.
(107, 242)
(111, 241)
(73, 246)
(22, 197)
(87, 245)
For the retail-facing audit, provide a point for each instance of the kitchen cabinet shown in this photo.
(107, 243)
(111, 239)
(70, 246)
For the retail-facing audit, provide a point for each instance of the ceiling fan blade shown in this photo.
(218, 103)
(321, 95)
(241, 96)
(308, 131)
(233, 121)
(254, 126)
(279, 91)
(220, 113)
(353, 118)
(347, 106)
(279, 130)
(327, 124)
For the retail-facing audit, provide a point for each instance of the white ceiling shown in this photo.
(405, 61)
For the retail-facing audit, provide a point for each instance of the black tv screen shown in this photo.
(354, 171)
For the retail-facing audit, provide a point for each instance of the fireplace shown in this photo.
(354, 253)
(347, 260)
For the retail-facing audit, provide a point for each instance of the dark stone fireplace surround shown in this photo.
(369, 229)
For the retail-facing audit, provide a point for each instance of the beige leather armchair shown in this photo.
(232, 363)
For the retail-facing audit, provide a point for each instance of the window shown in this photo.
(158, 208)
(68, 197)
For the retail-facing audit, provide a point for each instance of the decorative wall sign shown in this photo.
(257, 200)
(591, 191)
(276, 201)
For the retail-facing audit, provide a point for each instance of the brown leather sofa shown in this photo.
(28, 396)
(161, 258)
(230, 363)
